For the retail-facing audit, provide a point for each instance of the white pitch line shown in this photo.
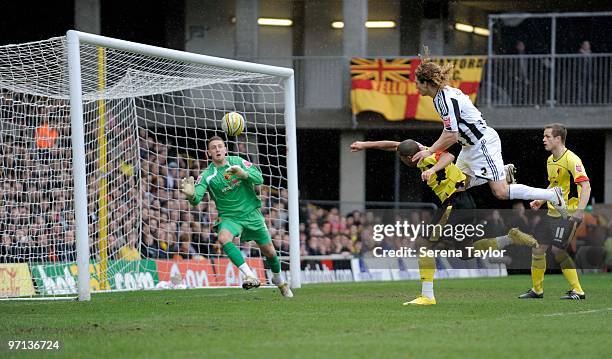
(581, 312)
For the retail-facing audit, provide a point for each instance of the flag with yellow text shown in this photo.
(388, 86)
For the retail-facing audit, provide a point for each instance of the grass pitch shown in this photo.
(473, 318)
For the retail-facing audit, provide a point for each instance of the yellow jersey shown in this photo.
(444, 182)
(566, 172)
(128, 254)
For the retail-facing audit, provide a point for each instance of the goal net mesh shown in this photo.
(147, 121)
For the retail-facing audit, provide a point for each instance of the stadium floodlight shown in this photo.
(128, 121)
(370, 24)
(266, 21)
(464, 27)
(481, 31)
(380, 24)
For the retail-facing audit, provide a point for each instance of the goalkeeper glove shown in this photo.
(188, 187)
(237, 171)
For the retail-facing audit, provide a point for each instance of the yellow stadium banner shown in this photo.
(388, 86)
(15, 280)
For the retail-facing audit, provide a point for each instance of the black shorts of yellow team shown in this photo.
(556, 231)
(458, 209)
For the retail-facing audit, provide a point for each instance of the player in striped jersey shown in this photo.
(565, 169)
(480, 157)
(448, 183)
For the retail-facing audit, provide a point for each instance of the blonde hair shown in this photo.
(429, 71)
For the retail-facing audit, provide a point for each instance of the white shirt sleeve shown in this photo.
(447, 113)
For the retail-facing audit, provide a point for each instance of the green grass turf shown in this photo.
(473, 318)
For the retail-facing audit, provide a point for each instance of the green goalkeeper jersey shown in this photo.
(233, 196)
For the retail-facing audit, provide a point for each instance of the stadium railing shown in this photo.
(548, 80)
(516, 80)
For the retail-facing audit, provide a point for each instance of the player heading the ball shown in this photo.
(480, 157)
(230, 182)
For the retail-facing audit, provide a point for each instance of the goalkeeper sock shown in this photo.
(427, 270)
(568, 267)
(520, 191)
(235, 256)
(246, 270)
(274, 264)
(233, 253)
(538, 268)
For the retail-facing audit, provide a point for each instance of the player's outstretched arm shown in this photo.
(193, 191)
(447, 139)
(374, 145)
(187, 187)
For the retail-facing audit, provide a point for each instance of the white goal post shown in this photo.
(138, 118)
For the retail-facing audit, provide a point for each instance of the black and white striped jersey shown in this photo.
(459, 114)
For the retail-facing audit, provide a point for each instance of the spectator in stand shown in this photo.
(585, 80)
(519, 218)
(113, 246)
(185, 249)
(66, 248)
(586, 229)
(149, 247)
(520, 75)
(129, 252)
(172, 176)
(7, 249)
(45, 138)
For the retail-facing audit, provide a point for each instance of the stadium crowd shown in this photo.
(37, 218)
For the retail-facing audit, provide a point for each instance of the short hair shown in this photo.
(408, 148)
(558, 130)
(214, 138)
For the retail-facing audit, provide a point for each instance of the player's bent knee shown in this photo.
(224, 237)
(500, 190)
(500, 193)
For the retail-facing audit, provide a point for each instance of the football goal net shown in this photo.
(95, 135)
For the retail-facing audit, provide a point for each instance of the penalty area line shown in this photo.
(580, 312)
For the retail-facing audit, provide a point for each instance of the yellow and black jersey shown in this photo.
(445, 181)
(566, 172)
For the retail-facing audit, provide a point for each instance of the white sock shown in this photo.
(503, 241)
(246, 270)
(276, 277)
(520, 191)
(427, 289)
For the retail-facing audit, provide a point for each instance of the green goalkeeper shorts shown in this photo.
(249, 227)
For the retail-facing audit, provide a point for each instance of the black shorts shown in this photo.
(458, 201)
(457, 209)
(556, 231)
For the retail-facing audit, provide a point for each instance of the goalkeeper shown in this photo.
(231, 181)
